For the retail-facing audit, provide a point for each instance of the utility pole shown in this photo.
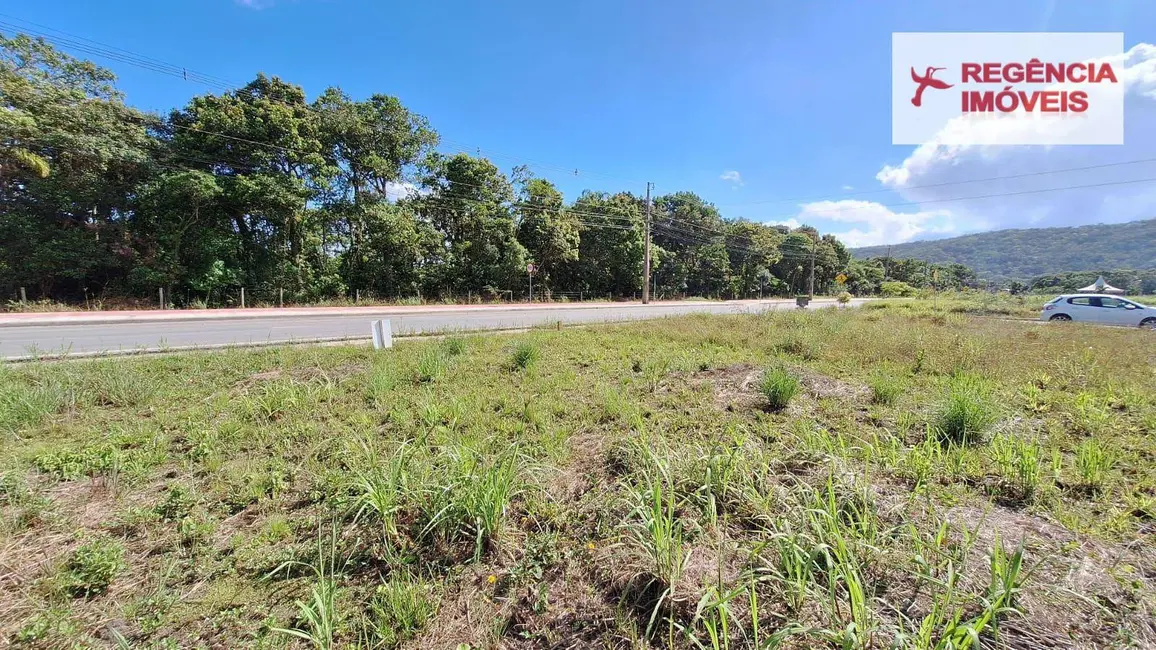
(811, 281)
(646, 260)
(886, 263)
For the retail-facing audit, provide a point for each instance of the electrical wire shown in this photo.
(89, 46)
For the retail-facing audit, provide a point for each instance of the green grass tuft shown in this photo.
(967, 413)
(92, 568)
(885, 389)
(524, 355)
(778, 386)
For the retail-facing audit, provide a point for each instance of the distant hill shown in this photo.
(1023, 254)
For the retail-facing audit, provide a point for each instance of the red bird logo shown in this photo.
(925, 81)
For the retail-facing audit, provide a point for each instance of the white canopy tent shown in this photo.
(1100, 286)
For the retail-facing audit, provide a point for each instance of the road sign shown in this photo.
(530, 268)
(841, 278)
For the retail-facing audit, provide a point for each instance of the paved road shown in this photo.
(97, 337)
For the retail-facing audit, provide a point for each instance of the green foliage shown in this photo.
(399, 610)
(472, 497)
(68, 465)
(626, 481)
(1022, 254)
(177, 504)
(967, 413)
(896, 289)
(524, 355)
(432, 364)
(1019, 463)
(318, 613)
(24, 406)
(1093, 462)
(91, 568)
(454, 346)
(885, 389)
(778, 386)
(261, 188)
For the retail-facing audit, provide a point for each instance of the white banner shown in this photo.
(1040, 88)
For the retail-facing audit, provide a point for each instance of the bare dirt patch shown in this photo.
(737, 386)
(1078, 592)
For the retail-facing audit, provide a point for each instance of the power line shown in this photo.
(96, 48)
(88, 46)
(79, 43)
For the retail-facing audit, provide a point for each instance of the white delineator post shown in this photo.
(382, 334)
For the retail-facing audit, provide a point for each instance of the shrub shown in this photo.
(525, 354)
(885, 390)
(177, 504)
(778, 386)
(897, 290)
(92, 568)
(967, 413)
(843, 298)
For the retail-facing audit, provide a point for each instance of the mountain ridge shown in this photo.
(1024, 253)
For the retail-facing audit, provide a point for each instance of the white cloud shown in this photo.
(875, 223)
(733, 177)
(402, 190)
(848, 188)
(256, 4)
(790, 223)
(932, 174)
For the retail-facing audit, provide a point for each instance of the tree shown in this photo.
(180, 229)
(611, 245)
(468, 203)
(549, 232)
(262, 188)
(372, 146)
(71, 154)
(753, 249)
(263, 143)
(692, 231)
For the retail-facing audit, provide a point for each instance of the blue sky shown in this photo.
(793, 96)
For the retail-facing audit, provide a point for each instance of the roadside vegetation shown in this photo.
(977, 303)
(838, 478)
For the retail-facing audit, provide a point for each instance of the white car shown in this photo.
(1099, 308)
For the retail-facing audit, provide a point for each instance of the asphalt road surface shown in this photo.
(88, 338)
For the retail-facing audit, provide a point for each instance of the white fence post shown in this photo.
(382, 334)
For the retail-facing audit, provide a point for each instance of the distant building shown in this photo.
(1100, 286)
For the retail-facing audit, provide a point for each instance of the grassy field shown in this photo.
(838, 478)
(980, 303)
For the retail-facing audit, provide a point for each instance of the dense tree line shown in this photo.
(1006, 255)
(1132, 281)
(262, 188)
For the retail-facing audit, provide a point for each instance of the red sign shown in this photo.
(1010, 99)
(925, 81)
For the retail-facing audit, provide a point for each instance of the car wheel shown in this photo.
(1148, 323)
(1061, 317)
